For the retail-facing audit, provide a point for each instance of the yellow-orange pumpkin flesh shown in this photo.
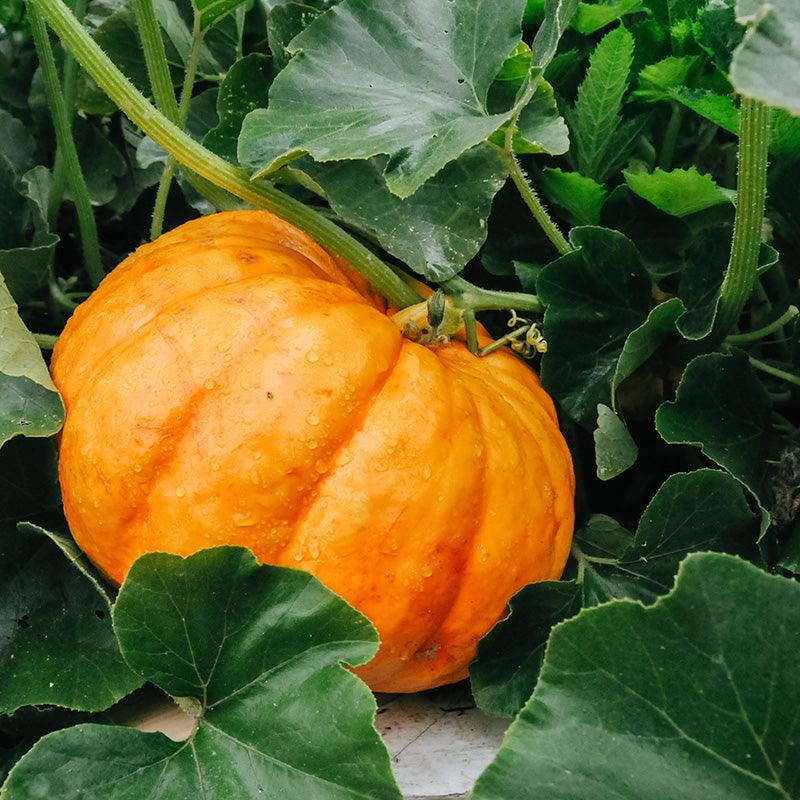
(231, 383)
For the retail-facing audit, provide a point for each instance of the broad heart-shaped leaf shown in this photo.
(595, 297)
(679, 192)
(736, 433)
(57, 646)
(582, 198)
(256, 652)
(695, 697)
(509, 657)
(701, 510)
(615, 449)
(404, 78)
(29, 402)
(767, 63)
(438, 229)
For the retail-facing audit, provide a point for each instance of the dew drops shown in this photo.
(298, 556)
(312, 419)
(426, 571)
(427, 472)
(137, 468)
(245, 519)
(180, 492)
(312, 356)
(313, 548)
(209, 384)
(320, 466)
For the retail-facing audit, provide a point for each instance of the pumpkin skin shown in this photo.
(231, 383)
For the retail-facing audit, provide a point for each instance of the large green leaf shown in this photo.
(767, 63)
(581, 197)
(595, 297)
(702, 510)
(696, 696)
(510, 656)
(255, 653)
(407, 79)
(591, 17)
(29, 402)
(438, 229)
(723, 408)
(57, 646)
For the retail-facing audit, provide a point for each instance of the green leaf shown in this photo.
(211, 11)
(615, 450)
(767, 63)
(595, 296)
(540, 128)
(736, 433)
(643, 342)
(591, 17)
(695, 696)
(679, 192)
(719, 109)
(284, 22)
(409, 80)
(595, 121)
(657, 80)
(50, 613)
(582, 198)
(255, 652)
(510, 656)
(29, 402)
(244, 88)
(701, 510)
(438, 229)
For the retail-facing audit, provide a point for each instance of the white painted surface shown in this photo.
(438, 741)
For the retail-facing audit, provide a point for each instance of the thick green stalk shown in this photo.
(66, 144)
(70, 84)
(196, 158)
(751, 193)
(465, 295)
(789, 377)
(162, 193)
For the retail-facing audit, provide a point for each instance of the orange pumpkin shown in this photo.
(231, 383)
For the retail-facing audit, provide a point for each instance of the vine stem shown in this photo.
(66, 145)
(160, 205)
(751, 194)
(466, 295)
(198, 159)
(774, 371)
(520, 179)
(70, 84)
(762, 333)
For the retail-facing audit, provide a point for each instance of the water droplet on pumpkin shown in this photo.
(209, 384)
(427, 472)
(327, 359)
(320, 466)
(312, 419)
(180, 492)
(311, 444)
(313, 548)
(215, 466)
(244, 519)
(393, 546)
(426, 571)
(297, 556)
(137, 468)
(312, 356)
